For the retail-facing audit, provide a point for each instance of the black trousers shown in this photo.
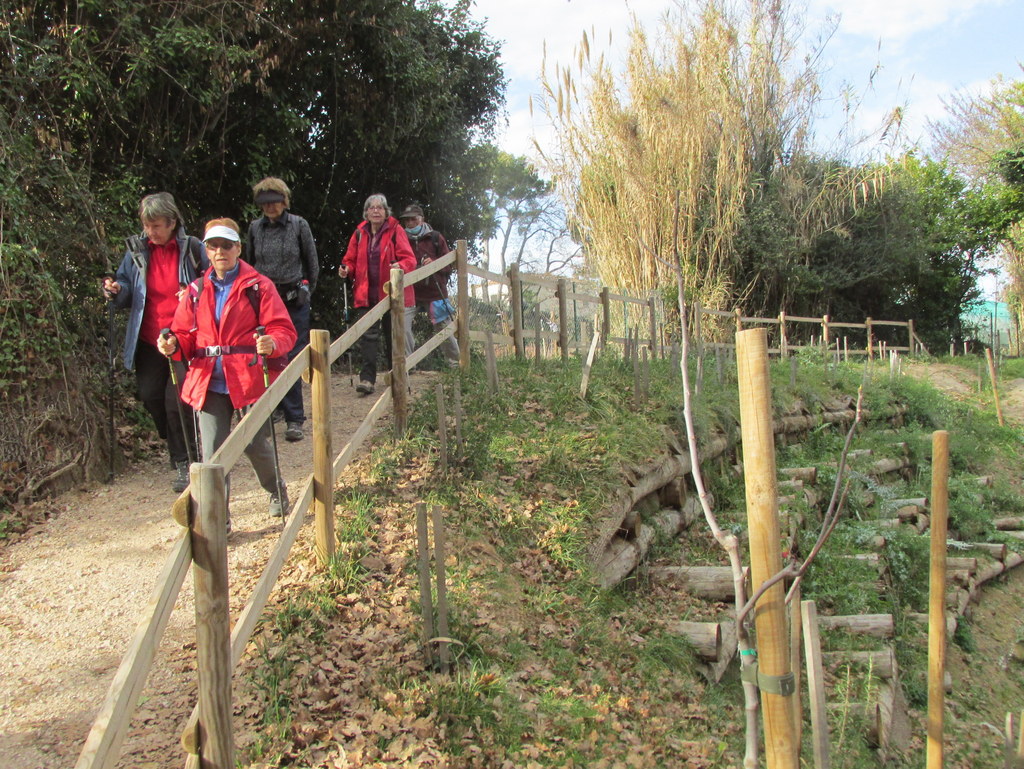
(370, 343)
(156, 391)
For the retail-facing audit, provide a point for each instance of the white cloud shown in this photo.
(896, 20)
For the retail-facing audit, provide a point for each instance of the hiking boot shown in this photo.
(294, 432)
(365, 387)
(277, 417)
(181, 480)
(279, 504)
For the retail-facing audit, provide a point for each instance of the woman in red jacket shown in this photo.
(377, 244)
(214, 328)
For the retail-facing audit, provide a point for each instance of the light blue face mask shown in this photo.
(414, 232)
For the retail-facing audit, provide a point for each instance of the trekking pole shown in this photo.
(164, 333)
(260, 331)
(110, 385)
(348, 352)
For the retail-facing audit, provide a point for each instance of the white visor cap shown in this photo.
(220, 231)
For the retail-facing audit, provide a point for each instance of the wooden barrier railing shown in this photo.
(649, 315)
(205, 731)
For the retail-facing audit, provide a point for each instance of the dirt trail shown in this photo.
(73, 591)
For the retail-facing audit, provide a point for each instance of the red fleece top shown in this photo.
(161, 290)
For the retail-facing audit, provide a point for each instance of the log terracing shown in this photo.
(659, 503)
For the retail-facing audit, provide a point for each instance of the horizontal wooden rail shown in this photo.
(804, 319)
(380, 408)
(835, 324)
(487, 275)
(430, 345)
(422, 273)
(344, 342)
(103, 745)
(900, 323)
(538, 280)
(591, 298)
(627, 299)
(481, 336)
(250, 615)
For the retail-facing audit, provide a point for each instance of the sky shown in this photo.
(920, 51)
(926, 49)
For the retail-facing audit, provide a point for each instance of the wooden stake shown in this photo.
(795, 648)
(492, 364)
(323, 453)
(537, 346)
(423, 567)
(563, 318)
(606, 315)
(399, 372)
(213, 620)
(457, 405)
(462, 316)
(937, 597)
(816, 685)
(589, 363)
(442, 589)
(442, 426)
(995, 385)
(763, 527)
(516, 301)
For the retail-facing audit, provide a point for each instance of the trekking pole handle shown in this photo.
(260, 331)
(164, 334)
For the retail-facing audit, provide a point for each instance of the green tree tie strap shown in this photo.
(784, 685)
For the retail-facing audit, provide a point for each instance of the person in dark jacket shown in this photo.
(153, 274)
(376, 245)
(282, 248)
(215, 329)
(432, 293)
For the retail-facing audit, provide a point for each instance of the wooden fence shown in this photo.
(200, 509)
(626, 320)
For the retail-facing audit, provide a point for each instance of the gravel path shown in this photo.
(72, 593)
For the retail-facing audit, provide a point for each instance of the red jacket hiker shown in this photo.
(394, 249)
(237, 326)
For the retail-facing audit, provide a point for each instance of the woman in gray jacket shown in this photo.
(157, 267)
(281, 247)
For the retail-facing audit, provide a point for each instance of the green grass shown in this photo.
(542, 651)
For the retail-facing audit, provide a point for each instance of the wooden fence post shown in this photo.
(462, 316)
(442, 588)
(563, 318)
(783, 337)
(995, 384)
(826, 336)
(516, 302)
(871, 338)
(492, 364)
(442, 426)
(457, 407)
(911, 338)
(323, 465)
(739, 320)
(213, 620)
(423, 568)
(765, 545)
(606, 315)
(399, 372)
(652, 309)
(816, 685)
(937, 597)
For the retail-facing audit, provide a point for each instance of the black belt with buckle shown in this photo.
(227, 349)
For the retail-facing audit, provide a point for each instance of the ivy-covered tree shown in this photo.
(101, 103)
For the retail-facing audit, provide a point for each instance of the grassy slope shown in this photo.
(551, 671)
